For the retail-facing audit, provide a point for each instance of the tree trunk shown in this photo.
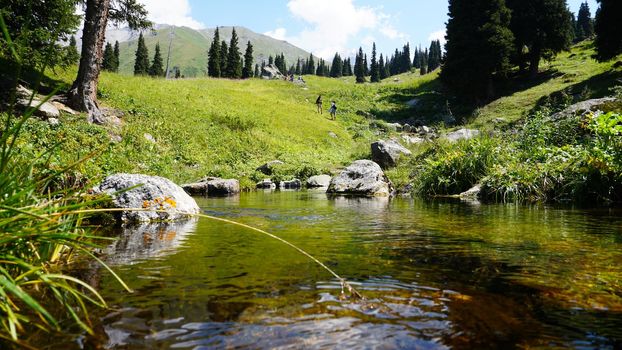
(534, 61)
(83, 93)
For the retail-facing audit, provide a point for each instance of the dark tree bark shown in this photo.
(534, 61)
(83, 93)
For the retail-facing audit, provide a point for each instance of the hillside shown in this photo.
(189, 47)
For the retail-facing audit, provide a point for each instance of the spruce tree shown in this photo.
(424, 63)
(117, 56)
(374, 70)
(381, 68)
(108, 59)
(608, 34)
(213, 56)
(157, 67)
(256, 75)
(72, 51)
(224, 53)
(406, 63)
(479, 45)
(359, 67)
(247, 71)
(310, 66)
(234, 59)
(298, 70)
(141, 65)
(336, 69)
(584, 22)
(541, 26)
(417, 59)
(365, 65)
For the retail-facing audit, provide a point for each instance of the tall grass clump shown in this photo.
(40, 235)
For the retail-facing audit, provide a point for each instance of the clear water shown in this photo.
(435, 275)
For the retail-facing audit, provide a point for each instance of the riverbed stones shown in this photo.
(294, 184)
(318, 181)
(137, 191)
(462, 134)
(213, 186)
(268, 168)
(361, 178)
(388, 153)
(266, 184)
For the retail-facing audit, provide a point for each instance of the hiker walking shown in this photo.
(333, 110)
(318, 103)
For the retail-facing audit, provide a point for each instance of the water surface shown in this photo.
(435, 275)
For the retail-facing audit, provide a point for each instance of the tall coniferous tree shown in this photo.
(310, 66)
(213, 57)
(359, 67)
(542, 26)
(298, 67)
(224, 53)
(256, 75)
(247, 71)
(234, 59)
(607, 28)
(72, 51)
(585, 25)
(406, 63)
(157, 66)
(479, 45)
(141, 65)
(365, 65)
(374, 70)
(336, 69)
(381, 68)
(108, 59)
(117, 56)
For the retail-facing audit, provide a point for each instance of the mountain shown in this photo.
(189, 46)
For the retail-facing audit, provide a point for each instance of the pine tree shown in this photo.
(117, 56)
(247, 71)
(234, 59)
(298, 70)
(108, 59)
(359, 67)
(541, 26)
(157, 67)
(424, 63)
(479, 45)
(608, 34)
(435, 53)
(213, 56)
(310, 66)
(382, 71)
(336, 69)
(256, 75)
(406, 63)
(72, 51)
(365, 65)
(584, 22)
(374, 71)
(141, 65)
(417, 59)
(270, 60)
(224, 53)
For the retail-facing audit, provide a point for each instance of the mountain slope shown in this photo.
(189, 47)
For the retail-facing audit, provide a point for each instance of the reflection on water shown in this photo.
(435, 275)
(148, 241)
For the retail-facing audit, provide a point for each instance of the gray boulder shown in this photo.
(600, 104)
(266, 184)
(213, 186)
(46, 110)
(407, 128)
(271, 72)
(147, 192)
(472, 194)
(290, 185)
(318, 181)
(462, 134)
(395, 126)
(361, 178)
(267, 168)
(412, 140)
(388, 153)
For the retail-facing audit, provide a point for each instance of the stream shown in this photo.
(434, 274)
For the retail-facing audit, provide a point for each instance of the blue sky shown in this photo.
(321, 26)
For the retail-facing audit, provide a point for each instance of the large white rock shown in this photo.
(388, 153)
(148, 192)
(361, 178)
(318, 181)
(462, 134)
(213, 186)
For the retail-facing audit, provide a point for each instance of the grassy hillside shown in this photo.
(189, 48)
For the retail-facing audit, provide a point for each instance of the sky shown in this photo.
(322, 27)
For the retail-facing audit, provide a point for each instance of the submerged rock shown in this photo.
(388, 153)
(147, 192)
(318, 181)
(266, 184)
(361, 178)
(472, 194)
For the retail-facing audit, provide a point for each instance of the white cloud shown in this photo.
(174, 12)
(392, 33)
(438, 35)
(332, 24)
(278, 34)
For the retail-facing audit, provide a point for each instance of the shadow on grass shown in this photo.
(11, 74)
